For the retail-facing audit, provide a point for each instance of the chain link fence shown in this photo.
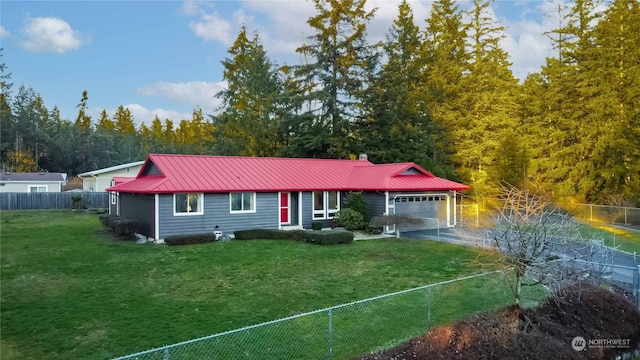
(352, 329)
(604, 213)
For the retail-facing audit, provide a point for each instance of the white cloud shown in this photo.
(195, 93)
(50, 34)
(210, 26)
(4, 32)
(143, 115)
(526, 43)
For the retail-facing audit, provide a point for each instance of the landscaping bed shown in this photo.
(543, 332)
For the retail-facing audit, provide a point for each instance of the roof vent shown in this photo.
(363, 157)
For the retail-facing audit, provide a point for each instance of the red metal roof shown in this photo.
(200, 173)
(122, 179)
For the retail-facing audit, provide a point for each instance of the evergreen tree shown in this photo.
(105, 123)
(397, 126)
(127, 139)
(169, 136)
(613, 110)
(569, 167)
(248, 124)
(335, 79)
(26, 111)
(444, 60)
(490, 93)
(85, 157)
(104, 141)
(6, 117)
(534, 132)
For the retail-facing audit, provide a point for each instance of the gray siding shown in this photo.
(307, 209)
(375, 203)
(150, 169)
(217, 216)
(113, 208)
(139, 207)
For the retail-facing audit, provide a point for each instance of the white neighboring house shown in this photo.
(32, 182)
(99, 180)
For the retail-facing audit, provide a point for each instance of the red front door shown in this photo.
(284, 208)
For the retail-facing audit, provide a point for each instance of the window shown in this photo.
(113, 198)
(325, 204)
(188, 204)
(37, 188)
(242, 202)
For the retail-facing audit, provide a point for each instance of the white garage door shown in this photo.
(430, 208)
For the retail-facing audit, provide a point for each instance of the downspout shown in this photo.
(156, 220)
(386, 209)
(95, 188)
(455, 209)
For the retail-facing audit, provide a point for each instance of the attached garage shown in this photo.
(433, 208)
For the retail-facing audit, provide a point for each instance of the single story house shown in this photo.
(36, 182)
(183, 194)
(99, 180)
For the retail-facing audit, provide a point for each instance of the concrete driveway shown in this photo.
(619, 266)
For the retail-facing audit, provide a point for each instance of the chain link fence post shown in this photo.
(330, 314)
(428, 308)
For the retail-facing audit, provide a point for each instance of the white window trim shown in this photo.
(46, 188)
(192, 213)
(253, 200)
(114, 199)
(325, 206)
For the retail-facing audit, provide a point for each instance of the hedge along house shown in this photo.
(188, 194)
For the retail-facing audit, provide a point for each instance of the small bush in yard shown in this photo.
(268, 234)
(316, 225)
(328, 237)
(189, 239)
(125, 228)
(105, 220)
(350, 219)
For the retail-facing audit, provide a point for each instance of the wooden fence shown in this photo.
(51, 200)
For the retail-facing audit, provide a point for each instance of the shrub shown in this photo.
(189, 239)
(328, 237)
(76, 200)
(316, 225)
(125, 228)
(108, 221)
(355, 201)
(350, 219)
(269, 234)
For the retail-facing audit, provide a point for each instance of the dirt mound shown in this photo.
(545, 332)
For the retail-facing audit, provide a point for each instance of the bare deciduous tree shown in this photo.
(532, 240)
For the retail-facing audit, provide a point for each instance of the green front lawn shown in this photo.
(69, 292)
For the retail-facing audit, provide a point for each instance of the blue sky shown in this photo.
(163, 57)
